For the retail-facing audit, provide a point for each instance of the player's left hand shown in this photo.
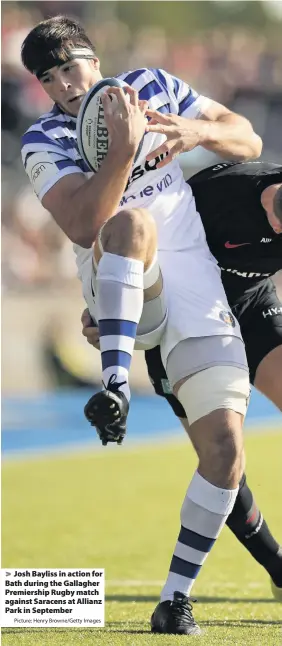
(182, 135)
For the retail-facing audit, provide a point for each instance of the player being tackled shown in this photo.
(147, 273)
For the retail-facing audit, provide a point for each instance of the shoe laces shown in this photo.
(182, 606)
(112, 385)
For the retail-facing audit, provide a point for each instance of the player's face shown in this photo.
(267, 200)
(67, 84)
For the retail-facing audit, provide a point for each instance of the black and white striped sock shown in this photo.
(203, 514)
(120, 300)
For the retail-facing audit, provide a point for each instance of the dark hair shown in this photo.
(277, 204)
(53, 36)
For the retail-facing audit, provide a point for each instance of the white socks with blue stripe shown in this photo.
(203, 515)
(120, 302)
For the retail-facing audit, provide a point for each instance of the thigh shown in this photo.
(261, 326)
(208, 374)
(194, 355)
(215, 399)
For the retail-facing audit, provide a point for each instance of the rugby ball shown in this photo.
(92, 134)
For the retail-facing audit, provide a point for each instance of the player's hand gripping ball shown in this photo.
(92, 134)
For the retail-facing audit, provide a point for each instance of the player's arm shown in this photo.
(217, 129)
(80, 206)
(228, 134)
(197, 121)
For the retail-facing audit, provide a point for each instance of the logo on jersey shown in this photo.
(41, 168)
(266, 240)
(224, 165)
(227, 318)
(228, 245)
(272, 311)
(245, 274)
(140, 170)
(149, 190)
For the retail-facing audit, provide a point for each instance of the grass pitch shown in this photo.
(119, 509)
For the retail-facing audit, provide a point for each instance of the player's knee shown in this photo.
(219, 444)
(132, 232)
(215, 401)
(225, 451)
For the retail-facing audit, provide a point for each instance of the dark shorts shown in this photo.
(260, 316)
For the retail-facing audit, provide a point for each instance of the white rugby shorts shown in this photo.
(196, 300)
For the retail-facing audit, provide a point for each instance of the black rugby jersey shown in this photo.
(238, 232)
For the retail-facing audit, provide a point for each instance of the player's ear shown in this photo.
(95, 63)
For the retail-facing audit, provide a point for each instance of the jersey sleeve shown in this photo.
(45, 161)
(182, 98)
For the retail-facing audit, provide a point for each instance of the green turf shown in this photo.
(119, 509)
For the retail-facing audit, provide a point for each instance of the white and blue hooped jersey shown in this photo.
(50, 152)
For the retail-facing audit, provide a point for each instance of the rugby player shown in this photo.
(241, 209)
(124, 261)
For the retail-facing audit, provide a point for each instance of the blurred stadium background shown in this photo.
(228, 50)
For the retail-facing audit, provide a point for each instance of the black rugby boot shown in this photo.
(175, 617)
(107, 411)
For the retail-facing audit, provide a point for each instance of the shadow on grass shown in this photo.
(117, 627)
(127, 598)
(136, 627)
(243, 623)
(33, 631)
(112, 626)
